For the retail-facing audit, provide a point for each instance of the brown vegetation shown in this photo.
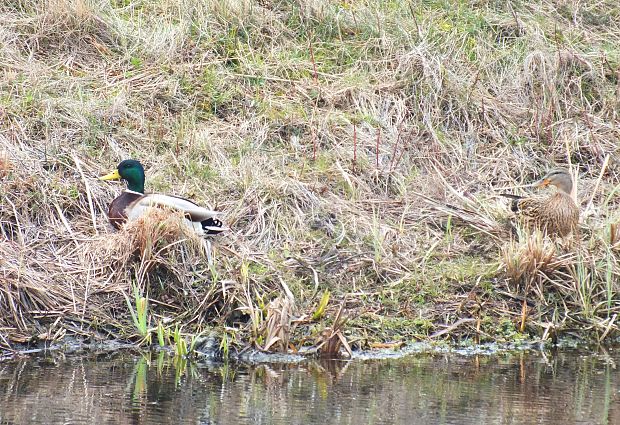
(355, 147)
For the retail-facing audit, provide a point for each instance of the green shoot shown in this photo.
(320, 310)
(180, 345)
(139, 315)
(161, 332)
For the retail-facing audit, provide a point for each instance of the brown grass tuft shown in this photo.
(532, 262)
(5, 164)
(332, 338)
(278, 325)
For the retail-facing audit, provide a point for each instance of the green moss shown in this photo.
(135, 62)
(120, 3)
(257, 269)
(390, 329)
(502, 329)
(324, 163)
(466, 269)
(238, 152)
(419, 289)
(156, 183)
(73, 192)
(201, 171)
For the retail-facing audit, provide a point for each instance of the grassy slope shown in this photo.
(315, 126)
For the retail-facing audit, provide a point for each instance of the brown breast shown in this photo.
(557, 214)
(117, 214)
(566, 215)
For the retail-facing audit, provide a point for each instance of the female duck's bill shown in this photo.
(558, 177)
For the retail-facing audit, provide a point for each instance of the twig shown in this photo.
(608, 328)
(598, 182)
(315, 73)
(354, 144)
(88, 193)
(396, 146)
(453, 326)
(415, 21)
(314, 142)
(377, 148)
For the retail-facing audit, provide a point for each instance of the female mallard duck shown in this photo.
(133, 202)
(556, 214)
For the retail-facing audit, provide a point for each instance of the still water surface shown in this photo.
(564, 387)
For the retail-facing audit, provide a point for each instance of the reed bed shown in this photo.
(355, 148)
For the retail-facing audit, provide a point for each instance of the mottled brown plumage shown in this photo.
(556, 214)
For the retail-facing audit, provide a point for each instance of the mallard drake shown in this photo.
(556, 214)
(133, 202)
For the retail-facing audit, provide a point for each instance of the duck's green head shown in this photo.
(131, 171)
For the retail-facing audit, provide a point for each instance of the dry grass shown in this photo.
(355, 147)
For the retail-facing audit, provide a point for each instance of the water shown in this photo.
(566, 387)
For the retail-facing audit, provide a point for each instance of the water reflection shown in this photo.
(564, 388)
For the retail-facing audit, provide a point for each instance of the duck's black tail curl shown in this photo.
(209, 224)
(514, 206)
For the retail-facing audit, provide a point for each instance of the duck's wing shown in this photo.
(532, 208)
(516, 199)
(191, 210)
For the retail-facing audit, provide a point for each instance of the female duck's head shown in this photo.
(131, 171)
(558, 177)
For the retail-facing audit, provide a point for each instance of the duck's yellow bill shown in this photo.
(114, 175)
